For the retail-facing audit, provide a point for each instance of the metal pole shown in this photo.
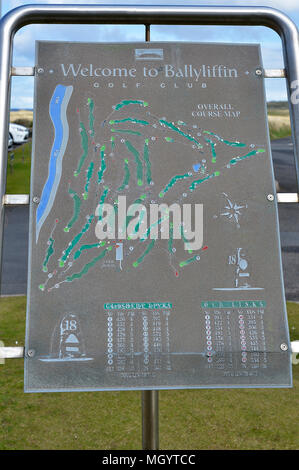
(6, 39)
(147, 32)
(150, 420)
(150, 398)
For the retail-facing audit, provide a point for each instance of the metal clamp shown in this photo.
(22, 71)
(15, 352)
(274, 73)
(287, 197)
(16, 199)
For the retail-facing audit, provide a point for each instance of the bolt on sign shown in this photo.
(154, 245)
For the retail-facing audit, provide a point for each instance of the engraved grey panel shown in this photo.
(161, 303)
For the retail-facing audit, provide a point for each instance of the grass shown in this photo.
(279, 125)
(279, 120)
(278, 112)
(18, 170)
(189, 419)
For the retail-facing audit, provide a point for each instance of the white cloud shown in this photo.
(24, 42)
(22, 93)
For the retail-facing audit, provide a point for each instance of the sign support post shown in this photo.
(150, 398)
(150, 419)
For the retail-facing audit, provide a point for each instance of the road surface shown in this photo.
(284, 170)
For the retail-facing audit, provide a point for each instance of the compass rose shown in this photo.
(233, 210)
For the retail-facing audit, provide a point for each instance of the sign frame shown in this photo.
(141, 160)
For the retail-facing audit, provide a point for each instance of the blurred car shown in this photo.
(10, 142)
(19, 134)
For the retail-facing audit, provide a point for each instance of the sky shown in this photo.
(24, 42)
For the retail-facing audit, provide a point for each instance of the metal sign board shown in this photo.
(154, 245)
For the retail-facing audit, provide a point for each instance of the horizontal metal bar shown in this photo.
(148, 14)
(18, 352)
(287, 197)
(274, 73)
(11, 352)
(23, 199)
(22, 71)
(16, 199)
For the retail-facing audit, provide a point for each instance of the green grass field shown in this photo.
(189, 419)
(18, 170)
(281, 133)
(279, 120)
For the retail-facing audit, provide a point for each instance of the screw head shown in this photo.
(258, 72)
(40, 70)
(284, 347)
(270, 197)
(35, 199)
(30, 353)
